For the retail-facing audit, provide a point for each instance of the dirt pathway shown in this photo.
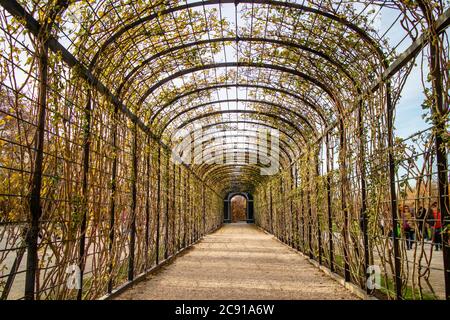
(238, 262)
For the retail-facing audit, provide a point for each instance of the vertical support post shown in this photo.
(247, 210)
(36, 186)
(174, 209)
(263, 206)
(204, 208)
(193, 213)
(297, 213)
(291, 206)
(186, 205)
(85, 189)
(196, 213)
(158, 206)
(167, 212)
(199, 218)
(190, 228)
(308, 197)
(112, 206)
(302, 196)
(180, 187)
(230, 217)
(147, 202)
(343, 169)
(134, 169)
(440, 114)
(226, 205)
(362, 158)
(329, 204)
(281, 217)
(440, 117)
(393, 194)
(271, 209)
(318, 210)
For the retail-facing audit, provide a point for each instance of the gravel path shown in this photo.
(238, 262)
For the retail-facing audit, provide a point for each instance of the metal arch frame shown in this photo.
(243, 64)
(219, 174)
(242, 131)
(225, 174)
(269, 115)
(242, 150)
(207, 168)
(17, 10)
(286, 159)
(233, 167)
(253, 144)
(339, 19)
(256, 123)
(231, 195)
(286, 43)
(363, 34)
(253, 101)
(227, 183)
(285, 143)
(71, 62)
(215, 175)
(244, 122)
(229, 187)
(243, 85)
(230, 168)
(35, 28)
(287, 156)
(240, 160)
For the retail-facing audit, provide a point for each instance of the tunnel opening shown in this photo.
(238, 207)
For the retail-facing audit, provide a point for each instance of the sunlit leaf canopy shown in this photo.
(231, 68)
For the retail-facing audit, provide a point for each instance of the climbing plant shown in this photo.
(96, 95)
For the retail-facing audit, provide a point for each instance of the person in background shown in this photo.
(408, 225)
(437, 226)
(421, 216)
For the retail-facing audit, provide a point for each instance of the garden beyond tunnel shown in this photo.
(130, 129)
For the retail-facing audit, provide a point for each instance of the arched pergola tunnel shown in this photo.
(126, 124)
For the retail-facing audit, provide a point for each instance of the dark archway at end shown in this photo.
(249, 208)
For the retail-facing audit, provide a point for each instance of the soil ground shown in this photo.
(238, 262)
